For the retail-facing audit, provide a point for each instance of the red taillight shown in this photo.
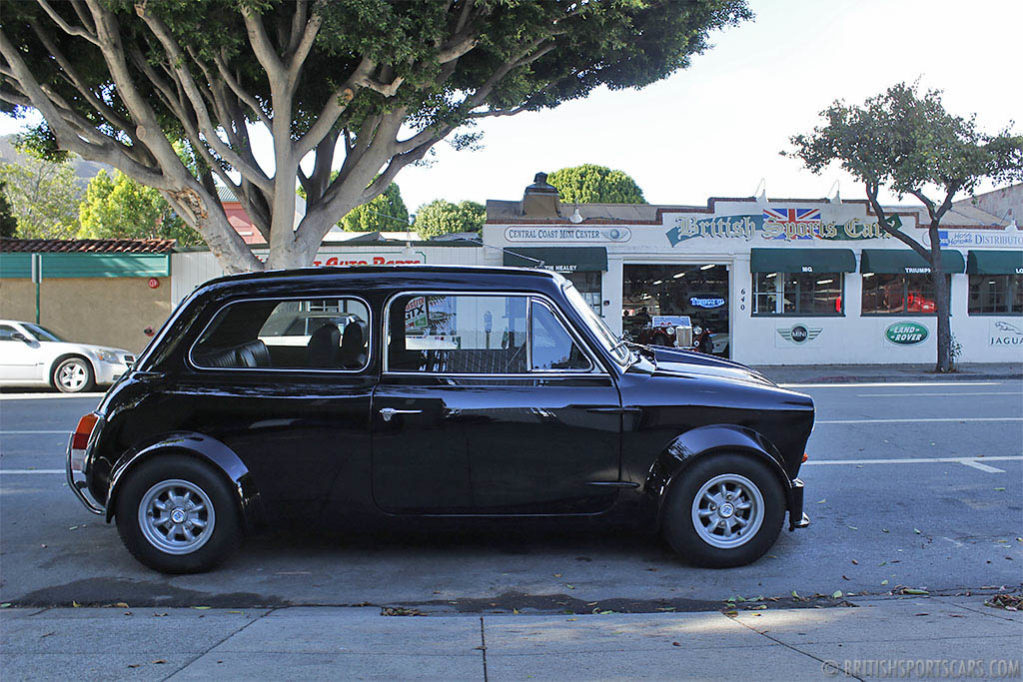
(83, 431)
(805, 457)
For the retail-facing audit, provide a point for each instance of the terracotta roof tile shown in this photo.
(87, 245)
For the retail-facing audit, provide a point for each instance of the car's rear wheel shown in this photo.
(724, 510)
(74, 375)
(176, 515)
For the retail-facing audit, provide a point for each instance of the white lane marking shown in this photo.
(919, 420)
(916, 460)
(895, 384)
(982, 467)
(20, 472)
(50, 396)
(943, 395)
(27, 433)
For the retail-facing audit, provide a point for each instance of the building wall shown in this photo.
(107, 311)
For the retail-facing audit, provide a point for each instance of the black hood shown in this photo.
(673, 361)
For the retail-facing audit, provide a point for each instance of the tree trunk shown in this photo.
(941, 303)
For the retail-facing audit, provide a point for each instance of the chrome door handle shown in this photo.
(388, 412)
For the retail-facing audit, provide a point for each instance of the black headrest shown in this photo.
(324, 345)
(353, 345)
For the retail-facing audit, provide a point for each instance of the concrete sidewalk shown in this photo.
(340, 643)
(841, 374)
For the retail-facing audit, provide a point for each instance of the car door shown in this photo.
(467, 420)
(298, 420)
(20, 358)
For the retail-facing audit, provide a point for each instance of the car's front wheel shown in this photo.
(176, 515)
(724, 510)
(74, 375)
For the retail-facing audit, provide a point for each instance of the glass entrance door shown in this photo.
(699, 291)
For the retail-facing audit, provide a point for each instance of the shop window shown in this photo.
(798, 293)
(309, 334)
(898, 294)
(588, 284)
(996, 295)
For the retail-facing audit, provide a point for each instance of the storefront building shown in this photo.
(779, 281)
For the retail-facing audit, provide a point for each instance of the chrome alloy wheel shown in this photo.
(73, 375)
(176, 516)
(728, 510)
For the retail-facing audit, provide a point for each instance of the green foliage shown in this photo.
(8, 223)
(443, 217)
(385, 213)
(43, 196)
(909, 143)
(117, 207)
(593, 184)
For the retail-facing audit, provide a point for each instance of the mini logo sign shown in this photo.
(906, 333)
(800, 333)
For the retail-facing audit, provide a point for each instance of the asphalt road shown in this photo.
(915, 484)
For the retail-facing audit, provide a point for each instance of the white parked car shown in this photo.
(31, 355)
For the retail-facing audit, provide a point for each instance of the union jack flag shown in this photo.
(792, 215)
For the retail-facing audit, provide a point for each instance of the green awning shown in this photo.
(802, 260)
(63, 265)
(994, 262)
(559, 259)
(908, 261)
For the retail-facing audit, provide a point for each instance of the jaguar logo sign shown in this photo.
(1006, 334)
(906, 333)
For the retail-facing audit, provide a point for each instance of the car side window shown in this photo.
(7, 332)
(457, 334)
(302, 334)
(552, 346)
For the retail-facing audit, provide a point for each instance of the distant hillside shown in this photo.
(84, 170)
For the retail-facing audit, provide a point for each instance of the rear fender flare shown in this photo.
(705, 441)
(209, 450)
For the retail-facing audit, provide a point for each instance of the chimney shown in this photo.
(540, 199)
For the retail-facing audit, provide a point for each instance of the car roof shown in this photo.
(395, 276)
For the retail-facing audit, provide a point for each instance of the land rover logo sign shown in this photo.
(906, 333)
(800, 334)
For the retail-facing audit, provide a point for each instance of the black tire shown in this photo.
(223, 540)
(67, 375)
(679, 527)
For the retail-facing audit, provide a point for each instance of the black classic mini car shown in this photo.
(390, 394)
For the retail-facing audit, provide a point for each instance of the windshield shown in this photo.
(41, 333)
(618, 350)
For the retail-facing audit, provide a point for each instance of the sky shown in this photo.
(717, 128)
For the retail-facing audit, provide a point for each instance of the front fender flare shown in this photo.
(210, 450)
(707, 440)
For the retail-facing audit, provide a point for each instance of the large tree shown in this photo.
(386, 212)
(117, 207)
(909, 143)
(443, 217)
(593, 184)
(44, 196)
(365, 86)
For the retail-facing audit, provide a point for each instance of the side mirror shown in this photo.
(18, 336)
